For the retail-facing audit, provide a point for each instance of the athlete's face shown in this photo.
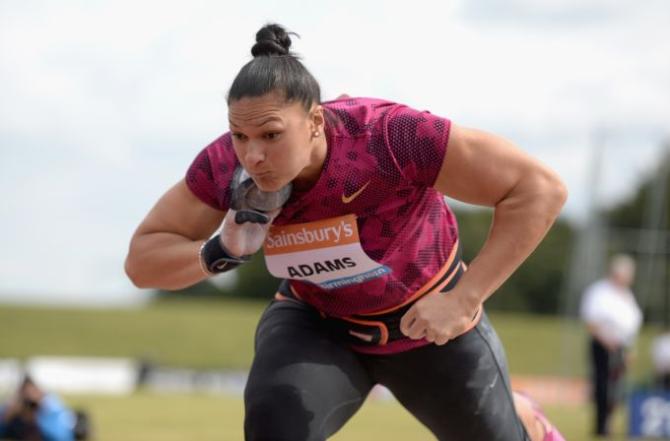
(275, 141)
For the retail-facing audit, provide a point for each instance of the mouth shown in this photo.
(266, 183)
(261, 179)
(261, 176)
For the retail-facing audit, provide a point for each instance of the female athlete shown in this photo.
(347, 199)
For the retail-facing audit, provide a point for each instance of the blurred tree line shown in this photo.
(640, 226)
(537, 286)
(635, 212)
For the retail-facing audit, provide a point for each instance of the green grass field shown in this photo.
(204, 334)
(146, 416)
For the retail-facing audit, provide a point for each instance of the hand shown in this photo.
(246, 238)
(609, 343)
(439, 317)
(13, 408)
(611, 346)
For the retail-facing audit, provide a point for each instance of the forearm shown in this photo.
(520, 221)
(164, 261)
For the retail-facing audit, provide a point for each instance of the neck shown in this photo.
(618, 283)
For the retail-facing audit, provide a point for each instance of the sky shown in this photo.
(104, 104)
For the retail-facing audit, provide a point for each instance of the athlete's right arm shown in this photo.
(164, 250)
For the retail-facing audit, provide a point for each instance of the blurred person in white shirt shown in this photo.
(613, 319)
(660, 354)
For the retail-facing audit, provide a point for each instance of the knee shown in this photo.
(277, 413)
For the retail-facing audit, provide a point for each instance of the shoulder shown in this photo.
(356, 116)
(404, 141)
(594, 295)
(211, 171)
(598, 288)
(221, 149)
(217, 157)
(633, 304)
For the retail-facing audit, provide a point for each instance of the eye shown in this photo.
(239, 136)
(272, 135)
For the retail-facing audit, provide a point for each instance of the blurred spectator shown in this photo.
(660, 354)
(33, 414)
(613, 320)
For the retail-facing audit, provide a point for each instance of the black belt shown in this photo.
(378, 329)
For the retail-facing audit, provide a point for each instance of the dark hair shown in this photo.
(275, 68)
(27, 380)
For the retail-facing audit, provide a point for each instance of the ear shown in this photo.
(317, 119)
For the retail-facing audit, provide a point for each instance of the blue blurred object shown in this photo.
(650, 414)
(54, 421)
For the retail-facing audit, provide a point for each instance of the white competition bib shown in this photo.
(326, 252)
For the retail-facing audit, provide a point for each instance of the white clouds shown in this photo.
(557, 14)
(104, 104)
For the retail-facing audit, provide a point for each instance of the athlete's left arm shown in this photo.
(484, 169)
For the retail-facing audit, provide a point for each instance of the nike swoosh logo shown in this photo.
(364, 337)
(348, 199)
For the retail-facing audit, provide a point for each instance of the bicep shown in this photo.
(482, 169)
(180, 212)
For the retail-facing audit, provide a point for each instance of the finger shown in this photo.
(417, 329)
(406, 321)
(430, 335)
(441, 339)
(273, 213)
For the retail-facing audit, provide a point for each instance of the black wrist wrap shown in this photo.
(215, 259)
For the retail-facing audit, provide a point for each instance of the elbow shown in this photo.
(142, 277)
(135, 274)
(559, 193)
(554, 192)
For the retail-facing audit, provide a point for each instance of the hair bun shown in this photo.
(271, 39)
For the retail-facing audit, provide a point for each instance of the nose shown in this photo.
(254, 156)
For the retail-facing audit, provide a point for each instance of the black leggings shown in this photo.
(304, 384)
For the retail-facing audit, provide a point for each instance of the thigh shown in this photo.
(303, 385)
(460, 390)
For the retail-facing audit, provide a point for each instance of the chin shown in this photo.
(268, 184)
